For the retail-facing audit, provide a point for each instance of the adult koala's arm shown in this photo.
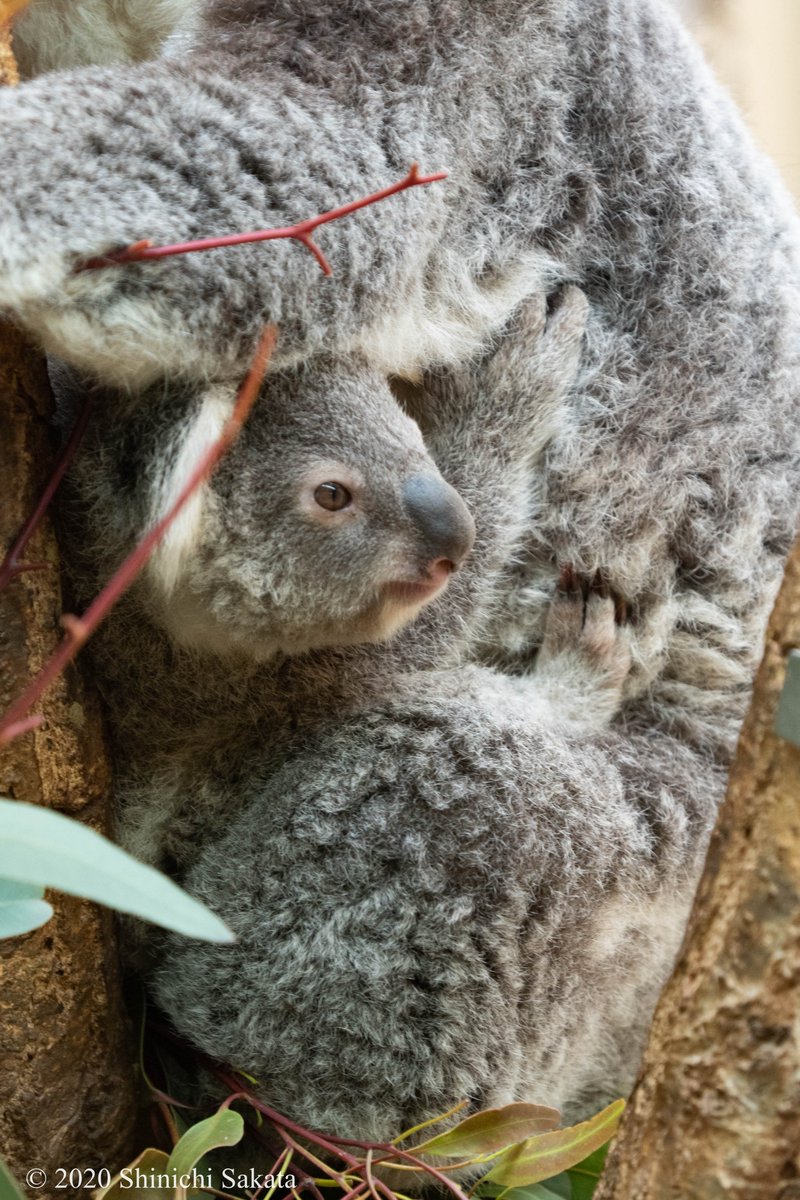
(265, 115)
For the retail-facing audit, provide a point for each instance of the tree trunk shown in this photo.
(67, 1095)
(716, 1112)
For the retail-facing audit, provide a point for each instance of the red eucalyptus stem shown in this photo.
(336, 1145)
(331, 1172)
(328, 1142)
(80, 629)
(11, 567)
(301, 232)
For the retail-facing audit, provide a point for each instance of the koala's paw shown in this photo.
(585, 657)
(561, 340)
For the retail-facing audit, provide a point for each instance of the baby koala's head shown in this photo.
(327, 524)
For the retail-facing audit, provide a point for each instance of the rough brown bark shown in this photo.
(716, 1112)
(66, 1080)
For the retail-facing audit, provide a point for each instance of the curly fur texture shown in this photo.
(587, 143)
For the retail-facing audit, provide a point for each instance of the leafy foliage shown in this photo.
(40, 848)
(492, 1130)
(225, 1128)
(21, 907)
(547, 1154)
(516, 1152)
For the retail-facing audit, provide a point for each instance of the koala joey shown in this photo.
(586, 142)
(406, 970)
(328, 524)
(440, 963)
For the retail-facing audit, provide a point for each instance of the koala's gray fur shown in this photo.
(370, 753)
(586, 143)
(254, 564)
(253, 579)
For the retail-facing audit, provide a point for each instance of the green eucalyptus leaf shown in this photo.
(578, 1183)
(585, 1176)
(491, 1130)
(225, 1128)
(42, 847)
(557, 1188)
(22, 908)
(23, 917)
(11, 891)
(9, 1188)
(549, 1154)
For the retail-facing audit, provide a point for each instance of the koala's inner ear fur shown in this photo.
(181, 459)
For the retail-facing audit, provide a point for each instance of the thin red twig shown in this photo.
(330, 1143)
(79, 629)
(331, 1172)
(11, 567)
(336, 1145)
(301, 232)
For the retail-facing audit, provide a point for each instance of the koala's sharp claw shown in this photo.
(570, 583)
(599, 586)
(568, 579)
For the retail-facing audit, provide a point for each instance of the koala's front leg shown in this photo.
(585, 657)
(173, 151)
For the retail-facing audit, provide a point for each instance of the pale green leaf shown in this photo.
(225, 1128)
(557, 1188)
(22, 908)
(42, 847)
(122, 1186)
(11, 891)
(551, 1190)
(9, 1189)
(23, 916)
(491, 1130)
(585, 1176)
(578, 1183)
(549, 1154)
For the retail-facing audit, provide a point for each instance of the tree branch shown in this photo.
(716, 1111)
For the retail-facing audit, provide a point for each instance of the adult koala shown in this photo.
(587, 143)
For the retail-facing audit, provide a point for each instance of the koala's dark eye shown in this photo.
(333, 496)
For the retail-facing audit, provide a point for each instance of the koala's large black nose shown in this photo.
(441, 516)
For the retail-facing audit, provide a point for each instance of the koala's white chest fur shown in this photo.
(52, 34)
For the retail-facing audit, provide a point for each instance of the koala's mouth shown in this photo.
(421, 590)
